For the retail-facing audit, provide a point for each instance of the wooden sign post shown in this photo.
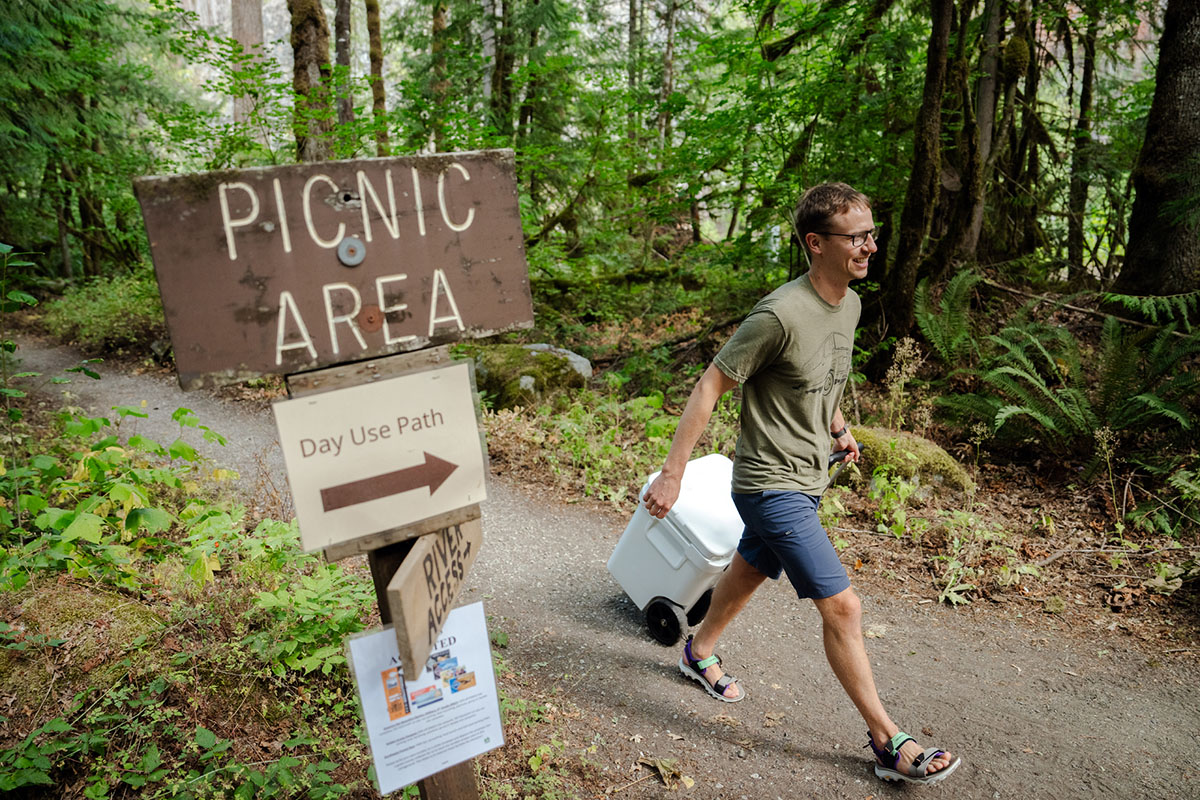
(362, 267)
(425, 586)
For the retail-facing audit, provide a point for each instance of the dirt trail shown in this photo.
(1036, 708)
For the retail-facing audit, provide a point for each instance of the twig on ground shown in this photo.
(631, 783)
(1108, 551)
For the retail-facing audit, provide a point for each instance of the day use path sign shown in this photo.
(282, 270)
(377, 456)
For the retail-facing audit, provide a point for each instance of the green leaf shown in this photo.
(147, 445)
(85, 526)
(151, 520)
(180, 449)
(205, 739)
(185, 417)
(25, 298)
(151, 760)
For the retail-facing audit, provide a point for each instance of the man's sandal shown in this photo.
(917, 771)
(694, 669)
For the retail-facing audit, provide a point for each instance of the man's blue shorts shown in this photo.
(783, 534)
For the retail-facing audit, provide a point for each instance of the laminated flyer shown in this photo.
(419, 726)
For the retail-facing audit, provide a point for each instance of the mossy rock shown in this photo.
(97, 627)
(523, 375)
(913, 457)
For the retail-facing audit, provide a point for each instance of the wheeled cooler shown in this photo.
(668, 566)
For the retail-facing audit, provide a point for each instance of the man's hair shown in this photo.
(822, 203)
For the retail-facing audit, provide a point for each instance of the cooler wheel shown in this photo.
(696, 613)
(666, 621)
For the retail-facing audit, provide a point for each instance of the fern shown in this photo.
(1035, 375)
(948, 328)
(1180, 308)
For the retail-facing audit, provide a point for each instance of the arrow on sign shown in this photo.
(432, 473)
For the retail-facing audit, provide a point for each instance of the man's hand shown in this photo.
(661, 495)
(847, 442)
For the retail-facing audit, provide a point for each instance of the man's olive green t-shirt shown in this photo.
(792, 357)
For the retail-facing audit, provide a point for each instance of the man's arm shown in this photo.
(664, 491)
(846, 440)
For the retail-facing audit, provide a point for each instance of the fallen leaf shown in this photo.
(773, 718)
(637, 737)
(675, 736)
(927, 731)
(668, 773)
(686, 781)
(725, 719)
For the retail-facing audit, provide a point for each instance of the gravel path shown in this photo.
(1036, 708)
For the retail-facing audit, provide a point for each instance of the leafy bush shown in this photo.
(109, 313)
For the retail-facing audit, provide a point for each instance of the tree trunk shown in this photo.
(341, 38)
(439, 84)
(62, 210)
(632, 77)
(247, 28)
(922, 189)
(1163, 253)
(378, 91)
(502, 70)
(961, 170)
(985, 120)
(310, 80)
(668, 84)
(1081, 147)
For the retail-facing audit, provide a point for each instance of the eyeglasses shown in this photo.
(856, 239)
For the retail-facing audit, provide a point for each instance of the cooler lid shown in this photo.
(705, 512)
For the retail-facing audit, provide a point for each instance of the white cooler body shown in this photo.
(680, 556)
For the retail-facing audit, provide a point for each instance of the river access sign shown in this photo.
(283, 270)
(370, 458)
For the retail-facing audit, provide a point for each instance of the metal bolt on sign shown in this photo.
(351, 251)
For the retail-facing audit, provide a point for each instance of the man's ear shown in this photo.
(813, 241)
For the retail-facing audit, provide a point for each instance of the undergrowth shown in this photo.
(109, 314)
(236, 625)
(596, 444)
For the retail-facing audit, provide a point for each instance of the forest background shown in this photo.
(1034, 168)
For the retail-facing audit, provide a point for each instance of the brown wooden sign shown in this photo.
(423, 589)
(285, 269)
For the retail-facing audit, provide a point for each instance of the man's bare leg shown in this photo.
(841, 617)
(731, 594)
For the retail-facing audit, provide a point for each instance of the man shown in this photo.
(792, 357)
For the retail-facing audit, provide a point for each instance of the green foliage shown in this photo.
(89, 506)
(599, 444)
(975, 555)
(1181, 308)
(131, 738)
(110, 314)
(892, 493)
(1035, 374)
(303, 625)
(133, 517)
(947, 327)
(75, 76)
(1172, 507)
